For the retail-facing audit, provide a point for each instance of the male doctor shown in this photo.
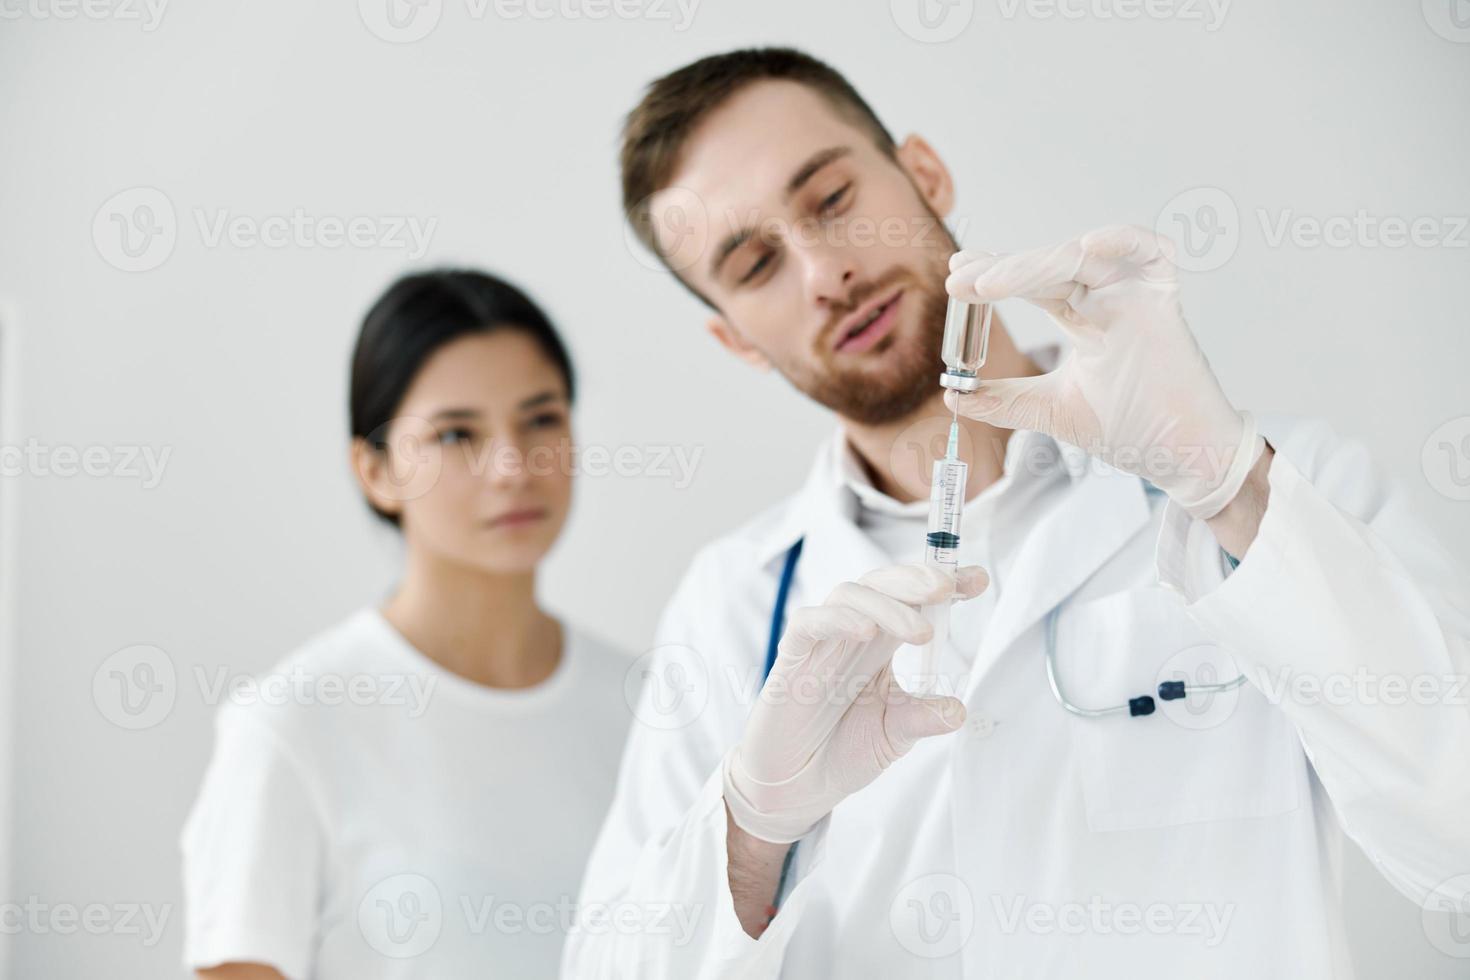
(1136, 529)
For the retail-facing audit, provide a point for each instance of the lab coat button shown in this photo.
(982, 727)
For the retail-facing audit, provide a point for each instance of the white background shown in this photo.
(502, 127)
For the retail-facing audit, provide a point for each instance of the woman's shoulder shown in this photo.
(355, 641)
(327, 668)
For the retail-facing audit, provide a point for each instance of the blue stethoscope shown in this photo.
(1135, 707)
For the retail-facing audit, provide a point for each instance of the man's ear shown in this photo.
(731, 340)
(928, 173)
(371, 469)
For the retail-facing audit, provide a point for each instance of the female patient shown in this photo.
(414, 791)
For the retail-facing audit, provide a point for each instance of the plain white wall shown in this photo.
(502, 129)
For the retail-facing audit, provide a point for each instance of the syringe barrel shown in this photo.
(946, 506)
(941, 550)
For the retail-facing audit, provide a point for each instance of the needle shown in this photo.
(952, 450)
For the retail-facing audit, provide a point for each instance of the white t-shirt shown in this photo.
(369, 814)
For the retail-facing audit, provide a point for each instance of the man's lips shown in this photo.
(517, 518)
(870, 324)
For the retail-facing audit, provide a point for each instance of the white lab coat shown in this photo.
(1033, 843)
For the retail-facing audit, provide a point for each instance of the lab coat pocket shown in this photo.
(1211, 756)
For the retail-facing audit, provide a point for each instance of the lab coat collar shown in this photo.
(824, 512)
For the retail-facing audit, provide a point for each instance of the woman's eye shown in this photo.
(450, 436)
(546, 420)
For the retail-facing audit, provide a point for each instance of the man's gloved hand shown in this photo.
(1136, 390)
(831, 717)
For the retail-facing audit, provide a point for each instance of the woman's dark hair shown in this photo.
(419, 314)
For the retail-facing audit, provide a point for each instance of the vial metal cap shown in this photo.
(966, 339)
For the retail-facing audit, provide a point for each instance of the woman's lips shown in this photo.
(875, 331)
(517, 518)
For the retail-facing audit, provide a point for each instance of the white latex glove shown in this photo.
(831, 717)
(1135, 390)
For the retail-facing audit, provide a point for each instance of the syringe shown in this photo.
(966, 342)
(941, 549)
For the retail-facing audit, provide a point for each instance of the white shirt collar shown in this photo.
(853, 477)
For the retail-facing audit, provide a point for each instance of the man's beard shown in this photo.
(905, 369)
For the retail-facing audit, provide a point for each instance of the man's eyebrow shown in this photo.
(803, 174)
(732, 241)
(814, 163)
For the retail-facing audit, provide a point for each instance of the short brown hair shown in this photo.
(655, 131)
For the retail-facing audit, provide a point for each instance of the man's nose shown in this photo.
(829, 273)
